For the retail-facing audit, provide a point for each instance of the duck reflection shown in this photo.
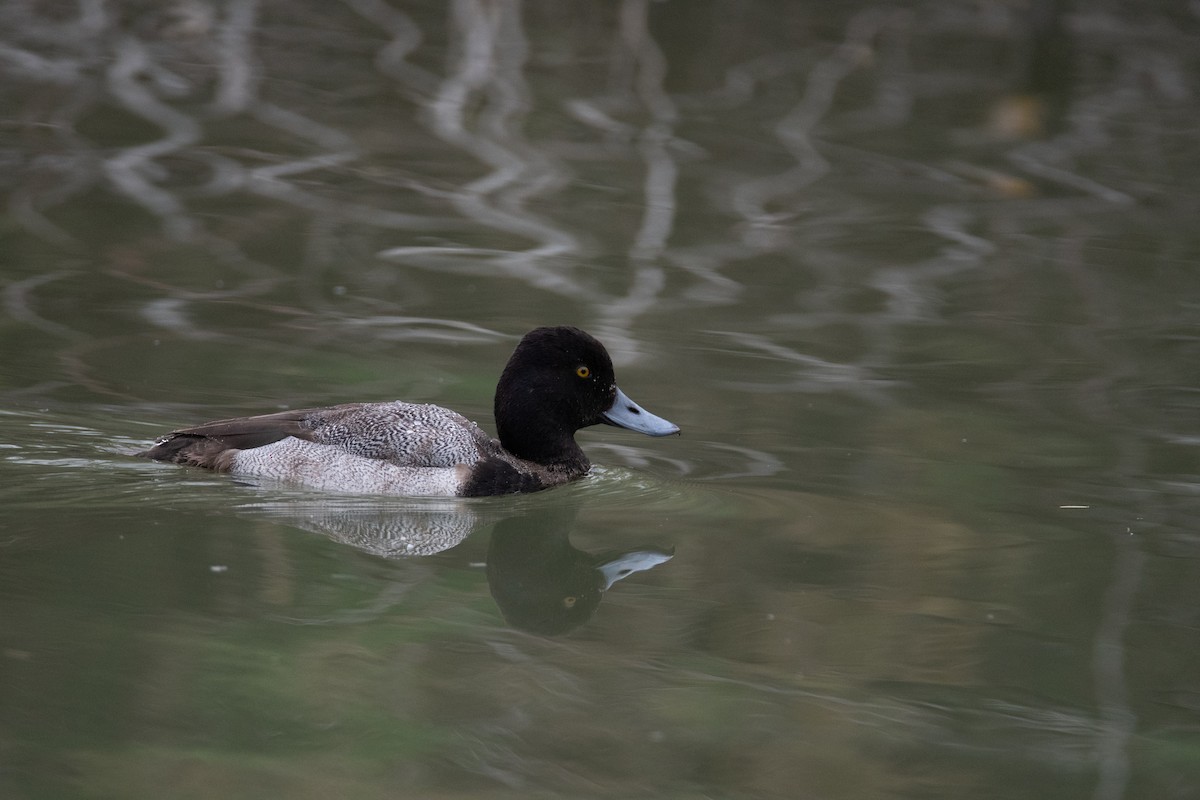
(539, 580)
(544, 584)
(419, 530)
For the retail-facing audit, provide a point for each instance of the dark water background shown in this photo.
(918, 281)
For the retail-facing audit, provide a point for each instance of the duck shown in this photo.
(557, 381)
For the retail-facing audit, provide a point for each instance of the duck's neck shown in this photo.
(539, 434)
(548, 445)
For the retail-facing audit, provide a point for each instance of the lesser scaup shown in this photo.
(557, 381)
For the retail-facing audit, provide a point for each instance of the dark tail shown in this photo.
(192, 451)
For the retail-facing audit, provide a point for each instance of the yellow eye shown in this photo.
(569, 602)
(583, 372)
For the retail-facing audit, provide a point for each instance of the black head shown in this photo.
(557, 381)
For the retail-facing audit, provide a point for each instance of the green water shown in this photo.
(918, 283)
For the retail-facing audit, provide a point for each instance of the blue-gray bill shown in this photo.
(624, 413)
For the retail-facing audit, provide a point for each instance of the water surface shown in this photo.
(918, 283)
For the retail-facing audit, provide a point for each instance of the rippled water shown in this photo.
(918, 283)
